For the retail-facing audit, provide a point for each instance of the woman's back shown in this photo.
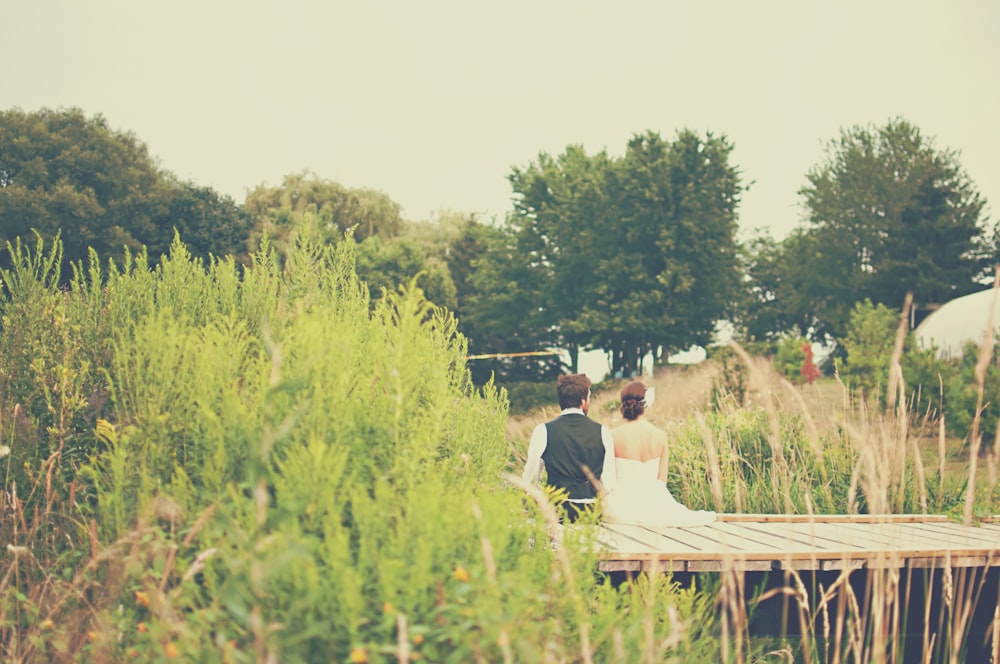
(639, 440)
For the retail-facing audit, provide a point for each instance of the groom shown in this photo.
(573, 449)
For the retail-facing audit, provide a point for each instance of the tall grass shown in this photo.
(267, 466)
(217, 464)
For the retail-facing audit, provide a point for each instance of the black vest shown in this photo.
(573, 441)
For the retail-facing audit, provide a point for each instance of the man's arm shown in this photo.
(533, 464)
(609, 474)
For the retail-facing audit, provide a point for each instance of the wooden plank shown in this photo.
(655, 540)
(822, 536)
(667, 566)
(754, 537)
(967, 533)
(938, 536)
(833, 518)
(730, 566)
(890, 537)
(834, 544)
(949, 561)
(619, 566)
(619, 543)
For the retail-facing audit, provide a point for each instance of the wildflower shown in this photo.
(388, 608)
(418, 639)
(141, 598)
(142, 628)
(170, 650)
(132, 652)
(47, 624)
(461, 574)
(358, 656)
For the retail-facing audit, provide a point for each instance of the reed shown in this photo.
(218, 464)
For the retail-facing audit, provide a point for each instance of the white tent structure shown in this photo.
(960, 321)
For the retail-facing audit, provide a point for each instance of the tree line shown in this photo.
(634, 255)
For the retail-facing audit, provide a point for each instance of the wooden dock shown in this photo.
(774, 542)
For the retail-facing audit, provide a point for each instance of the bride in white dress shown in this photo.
(640, 494)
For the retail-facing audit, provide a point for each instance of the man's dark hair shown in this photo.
(573, 390)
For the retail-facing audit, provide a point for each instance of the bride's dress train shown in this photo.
(638, 497)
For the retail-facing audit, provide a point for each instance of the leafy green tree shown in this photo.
(62, 172)
(495, 310)
(889, 213)
(278, 210)
(776, 299)
(385, 266)
(562, 221)
(871, 336)
(68, 175)
(208, 223)
(632, 255)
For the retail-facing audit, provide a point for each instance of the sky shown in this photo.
(435, 102)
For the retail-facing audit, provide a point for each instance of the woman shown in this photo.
(640, 495)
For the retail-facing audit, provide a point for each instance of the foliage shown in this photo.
(495, 290)
(868, 345)
(809, 371)
(946, 388)
(283, 472)
(732, 381)
(790, 356)
(277, 211)
(777, 299)
(384, 266)
(888, 213)
(70, 176)
(631, 255)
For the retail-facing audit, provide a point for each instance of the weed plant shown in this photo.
(212, 463)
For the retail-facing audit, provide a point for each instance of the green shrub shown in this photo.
(790, 356)
(871, 336)
(284, 471)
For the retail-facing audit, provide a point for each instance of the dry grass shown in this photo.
(685, 389)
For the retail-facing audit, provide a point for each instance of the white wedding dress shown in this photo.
(638, 497)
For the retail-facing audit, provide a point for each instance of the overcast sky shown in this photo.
(433, 102)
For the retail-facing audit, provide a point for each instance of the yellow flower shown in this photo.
(141, 598)
(359, 656)
(47, 624)
(461, 574)
(142, 628)
(170, 650)
(388, 608)
(418, 639)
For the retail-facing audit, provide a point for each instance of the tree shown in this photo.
(632, 255)
(384, 266)
(496, 295)
(278, 210)
(785, 286)
(869, 342)
(208, 223)
(561, 224)
(62, 173)
(889, 213)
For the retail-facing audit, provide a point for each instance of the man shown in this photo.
(573, 449)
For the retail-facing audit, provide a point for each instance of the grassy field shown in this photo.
(209, 465)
